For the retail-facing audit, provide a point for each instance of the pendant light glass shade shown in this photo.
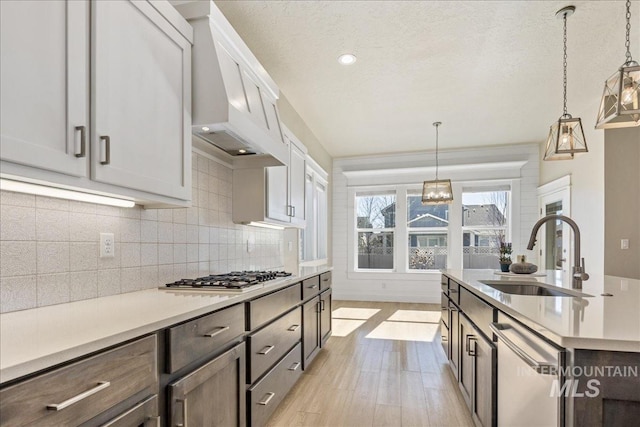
(438, 191)
(566, 135)
(620, 104)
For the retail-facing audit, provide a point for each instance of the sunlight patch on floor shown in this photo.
(343, 327)
(416, 316)
(354, 313)
(405, 331)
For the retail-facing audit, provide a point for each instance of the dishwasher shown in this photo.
(530, 376)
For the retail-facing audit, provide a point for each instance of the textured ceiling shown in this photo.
(491, 71)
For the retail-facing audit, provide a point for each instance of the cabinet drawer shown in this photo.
(444, 284)
(325, 280)
(266, 395)
(192, 340)
(143, 414)
(269, 344)
(263, 309)
(310, 288)
(478, 311)
(454, 291)
(76, 393)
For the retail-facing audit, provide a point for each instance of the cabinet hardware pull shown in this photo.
(216, 331)
(293, 328)
(83, 141)
(294, 367)
(312, 287)
(472, 349)
(107, 150)
(265, 401)
(325, 280)
(293, 210)
(75, 399)
(321, 305)
(466, 345)
(540, 367)
(183, 403)
(267, 349)
(453, 291)
(318, 309)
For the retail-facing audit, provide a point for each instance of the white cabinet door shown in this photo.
(277, 196)
(141, 70)
(44, 74)
(297, 172)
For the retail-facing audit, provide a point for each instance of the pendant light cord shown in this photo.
(628, 39)
(436, 124)
(564, 65)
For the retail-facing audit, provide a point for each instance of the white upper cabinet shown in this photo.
(141, 100)
(275, 194)
(137, 141)
(44, 74)
(297, 167)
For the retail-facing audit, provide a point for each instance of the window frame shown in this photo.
(357, 230)
(402, 231)
(318, 177)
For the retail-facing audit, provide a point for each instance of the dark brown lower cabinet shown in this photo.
(144, 414)
(476, 379)
(454, 343)
(212, 395)
(311, 331)
(325, 317)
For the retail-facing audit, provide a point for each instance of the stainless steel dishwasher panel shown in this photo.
(529, 377)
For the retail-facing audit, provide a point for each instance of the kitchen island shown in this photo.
(530, 350)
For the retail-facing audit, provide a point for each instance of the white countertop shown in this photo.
(597, 322)
(36, 339)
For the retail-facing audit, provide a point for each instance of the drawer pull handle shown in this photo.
(60, 406)
(293, 328)
(472, 349)
(294, 367)
(152, 422)
(265, 401)
(216, 331)
(325, 280)
(453, 291)
(267, 349)
(107, 150)
(312, 287)
(183, 403)
(83, 141)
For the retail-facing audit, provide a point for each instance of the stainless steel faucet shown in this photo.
(579, 275)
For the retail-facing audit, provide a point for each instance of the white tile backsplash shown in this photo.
(49, 250)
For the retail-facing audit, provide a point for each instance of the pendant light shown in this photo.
(438, 191)
(620, 105)
(566, 136)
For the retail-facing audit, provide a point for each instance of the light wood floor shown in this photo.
(358, 380)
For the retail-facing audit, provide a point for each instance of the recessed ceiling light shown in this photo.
(347, 59)
(204, 128)
(242, 151)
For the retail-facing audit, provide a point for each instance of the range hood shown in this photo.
(234, 98)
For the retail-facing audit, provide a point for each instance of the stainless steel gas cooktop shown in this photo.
(236, 281)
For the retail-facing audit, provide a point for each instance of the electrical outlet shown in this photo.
(107, 245)
(624, 243)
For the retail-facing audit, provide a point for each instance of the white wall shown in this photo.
(519, 164)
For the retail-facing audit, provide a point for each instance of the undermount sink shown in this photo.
(528, 288)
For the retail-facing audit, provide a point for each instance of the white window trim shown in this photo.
(455, 229)
(318, 176)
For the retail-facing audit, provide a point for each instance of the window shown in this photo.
(427, 228)
(313, 238)
(485, 219)
(375, 225)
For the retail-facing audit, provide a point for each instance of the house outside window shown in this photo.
(485, 219)
(375, 228)
(427, 229)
